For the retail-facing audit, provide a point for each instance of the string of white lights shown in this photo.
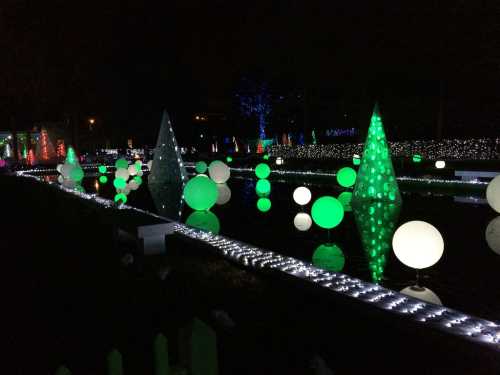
(446, 319)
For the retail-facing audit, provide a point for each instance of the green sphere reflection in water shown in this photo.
(329, 257)
(204, 220)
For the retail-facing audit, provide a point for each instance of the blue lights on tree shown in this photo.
(255, 99)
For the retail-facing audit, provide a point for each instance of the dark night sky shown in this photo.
(124, 60)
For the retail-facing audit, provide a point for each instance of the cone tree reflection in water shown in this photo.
(376, 222)
(376, 179)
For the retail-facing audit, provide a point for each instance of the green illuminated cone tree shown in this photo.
(376, 180)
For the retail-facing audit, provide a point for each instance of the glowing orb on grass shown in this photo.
(262, 170)
(327, 212)
(76, 173)
(346, 177)
(302, 221)
(264, 204)
(329, 257)
(119, 183)
(263, 187)
(103, 179)
(302, 195)
(418, 244)
(200, 193)
(102, 169)
(345, 198)
(493, 193)
(219, 171)
(121, 198)
(204, 220)
(493, 235)
(200, 167)
(121, 163)
(224, 194)
(423, 294)
(440, 164)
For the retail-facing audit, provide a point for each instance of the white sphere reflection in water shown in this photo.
(302, 195)
(418, 244)
(440, 164)
(224, 194)
(329, 257)
(422, 293)
(493, 235)
(493, 193)
(219, 172)
(302, 221)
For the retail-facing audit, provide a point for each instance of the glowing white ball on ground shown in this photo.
(150, 164)
(279, 160)
(493, 193)
(219, 172)
(418, 244)
(58, 168)
(493, 235)
(302, 221)
(122, 173)
(302, 195)
(423, 294)
(132, 170)
(224, 194)
(440, 164)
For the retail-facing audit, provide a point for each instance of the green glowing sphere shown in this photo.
(120, 197)
(138, 179)
(346, 177)
(265, 157)
(121, 163)
(264, 204)
(200, 193)
(229, 159)
(329, 257)
(103, 179)
(345, 198)
(262, 170)
(263, 187)
(76, 174)
(417, 158)
(327, 212)
(102, 169)
(204, 220)
(119, 183)
(200, 167)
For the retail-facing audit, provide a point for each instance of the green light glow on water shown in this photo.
(121, 163)
(329, 257)
(346, 177)
(327, 212)
(264, 204)
(262, 170)
(200, 193)
(345, 198)
(204, 220)
(263, 187)
(120, 197)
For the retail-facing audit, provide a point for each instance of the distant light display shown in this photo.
(229, 159)
(440, 164)
(263, 187)
(376, 178)
(263, 204)
(329, 257)
(266, 157)
(200, 193)
(417, 158)
(327, 212)
(279, 160)
(356, 159)
(262, 170)
(204, 220)
(102, 169)
(346, 177)
(103, 179)
(71, 157)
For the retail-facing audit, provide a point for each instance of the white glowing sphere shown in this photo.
(122, 173)
(418, 244)
(224, 194)
(493, 235)
(150, 164)
(60, 179)
(279, 160)
(302, 221)
(302, 195)
(58, 168)
(66, 170)
(219, 172)
(423, 294)
(440, 164)
(493, 193)
(132, 170)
